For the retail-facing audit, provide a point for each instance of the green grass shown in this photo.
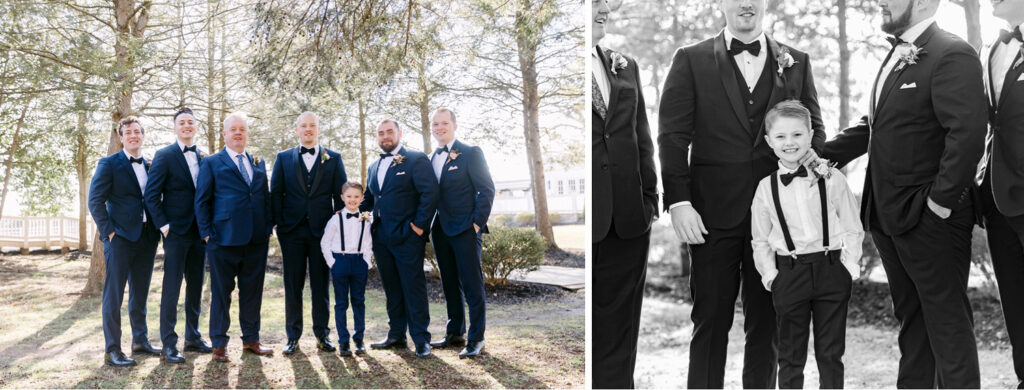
(52, 337)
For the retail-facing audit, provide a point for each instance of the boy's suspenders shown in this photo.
(341, 227)
(782, 217)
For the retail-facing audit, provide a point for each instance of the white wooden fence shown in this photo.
(26, 233)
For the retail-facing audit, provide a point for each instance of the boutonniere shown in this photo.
(256, 159)
(324, 156)
(1020, 59)
(397, 160)
(907, 54)
(364, 216)
(784, 59)
(148, 163)
(618, 62)
(454, 154)
(202, 155)
(821, 168)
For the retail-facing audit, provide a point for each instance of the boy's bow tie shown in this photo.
(788, 177)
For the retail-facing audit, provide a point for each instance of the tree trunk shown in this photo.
(423, 97)
(362, 140)
(211, 77)
(9, 165)
(82, 173)
(844, 67)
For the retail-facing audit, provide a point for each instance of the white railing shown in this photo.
(28, 233)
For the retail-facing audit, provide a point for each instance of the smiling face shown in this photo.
(307, 127)
(743, 17)
(600, 11)
(388, 136)
(790, 138)
(443, 127)
(185, 128)
(1012, 11)
(132, 137)
(236, 133)
(352, 197)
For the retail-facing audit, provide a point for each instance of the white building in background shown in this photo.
(565, 190)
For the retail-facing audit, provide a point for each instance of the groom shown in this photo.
(737, 76)
(924, 133)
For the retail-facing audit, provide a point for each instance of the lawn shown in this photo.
(52, 337)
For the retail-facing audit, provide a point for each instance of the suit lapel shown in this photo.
(179, 156)
(232, 163)
(300, 175)
(778, 91)
(392, 169)
(319, 167)
(1010, 78)
(444, 168)
(613, 90)
(989, 86)
(893, 77)
(729, 83)
(131, 171)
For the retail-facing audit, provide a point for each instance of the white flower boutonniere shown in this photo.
(821, 168)
(784, 59)
(202, 155)
(364, 216)
(618, 62)
(256, 159)
(324, 156)
(454, 154)
(1020, 59)
(908, 54)
(397, 160)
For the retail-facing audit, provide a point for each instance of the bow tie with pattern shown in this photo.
(441, 149)
(1005, 36)
(134, 160)
(737, 47)
(304, 150)
(351, 215)
(894, 41)
(788, 177)
(189, 149)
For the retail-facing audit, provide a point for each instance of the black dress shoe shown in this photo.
(389, 343)
(145, 347)
(449, 340)
(473, 349)
(291, 347)
(325, 345)
(344, 350)
(171, 355)
(422, 350)
(198, 346)
(359, 347)
(117, 359)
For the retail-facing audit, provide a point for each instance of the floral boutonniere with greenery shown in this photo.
(364, 216)
(618, 62)
(324, 156)
(397, 160)
(256, 159)
(201, 154)
(821, 168)
(908, 54)
(784, 59)
(454, 154)
(1020, 59)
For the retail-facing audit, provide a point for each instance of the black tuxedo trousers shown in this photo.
(1006, 245)
(620, 270)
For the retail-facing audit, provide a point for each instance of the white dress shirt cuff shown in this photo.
(677, 204)
(165, 229)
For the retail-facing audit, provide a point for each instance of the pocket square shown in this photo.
(908, 86)
(453, 167)
(400, 173)
(1021, 78)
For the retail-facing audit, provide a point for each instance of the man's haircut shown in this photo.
(791, 108)
(127, 121)
(351, 184)
(449, 111)
(183, 110)
(392, 121)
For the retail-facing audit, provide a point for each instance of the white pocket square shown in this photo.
(1021, 78)
(908, 86)
(453, 167)
(400, 173)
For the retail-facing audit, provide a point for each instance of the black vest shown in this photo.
(756, 102)
(309, 174)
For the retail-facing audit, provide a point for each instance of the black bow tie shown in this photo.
(1006, 35)
(788, 177)
(441, 149)
(189, 149)
(304, 150)
(384, 155)
(139, 160)
(894, 41)
(351, 215)
(737, 47)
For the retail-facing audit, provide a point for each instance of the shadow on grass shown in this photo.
(438, 374)
(250, 374)
(57, 326)
(305, 375)
(509, 376)
(216, 375)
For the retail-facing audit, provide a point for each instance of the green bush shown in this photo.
(501, 220)
(524, 219)
(554, 218)
(507, 250)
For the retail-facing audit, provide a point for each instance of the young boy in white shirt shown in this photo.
(807, 238)
(347, 248)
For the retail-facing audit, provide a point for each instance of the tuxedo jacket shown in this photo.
(292, 202)
(115, 199)
(625, 189)
(924, 136)
(229, 211)
(409, 194)
(170, 193)
(466, 191)
(711, 155)
(1006, 137)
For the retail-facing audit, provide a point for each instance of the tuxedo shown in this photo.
(924, 134)
(233, 210)
(465, 196)
(304, 195)
(116, 204)
(625, 196)
(707, 105)
(1002, 181)
(402, 189)
(170, 193)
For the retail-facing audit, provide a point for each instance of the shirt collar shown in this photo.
(783, 169)
(232, 154)
(395, 152)
(450, 144)
(729, 37)
(181, 145)
(916, 30)
(129, 156)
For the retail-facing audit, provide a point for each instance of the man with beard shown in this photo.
(401, 191)
(305, 191)
(924, 133)
(716, 95)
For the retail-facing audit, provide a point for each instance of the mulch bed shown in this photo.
(572, 258)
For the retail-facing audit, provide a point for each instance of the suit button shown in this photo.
(606, 136)
(750, 102)
(604, 166)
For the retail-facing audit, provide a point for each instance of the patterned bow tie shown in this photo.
(351, 215)
(1005, 36)
(189, 149)
(134, 160)
(737, 47)
(894, 41)
(788, 177)
(441, 149)
(304, 150)
(384, 155)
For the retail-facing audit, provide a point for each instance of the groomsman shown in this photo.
(169, 195)
(305, 191)
(466, 193)
(924, 132)
(1000, 179)
(234, 217)
(129, 240)
(402, 194)
(716, 96)
(626, 202)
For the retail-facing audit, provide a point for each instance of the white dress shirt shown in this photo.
(308, 159)
(750, 66)
(801, 203)
(331, 242)
(192, 160)
(600, 74)
(140, 174)
(245, 161)
(385, 163)
(438, 160)
(908, 36)
(1002, 60)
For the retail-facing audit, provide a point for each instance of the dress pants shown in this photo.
(127, 262)
(927, 269)
(184, 259)
(405, 287)
(458, 259)
(247, 263)
(300, 251)
(812, 286)
(349, 277)
(719, 266)
(619, 273)
(1006, 245)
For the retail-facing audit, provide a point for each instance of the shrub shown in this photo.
(524, 219)
(507, 250)
(501, 220)
(554, 218)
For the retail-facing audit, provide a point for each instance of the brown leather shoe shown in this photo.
(255, 348)
(220, 354)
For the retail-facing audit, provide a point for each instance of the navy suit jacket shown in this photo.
(290, 199)
(409, 194)
(466, 190)
(228, 211)
(115, 199)
(169, 192)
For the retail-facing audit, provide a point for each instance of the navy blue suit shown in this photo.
(115, 202)
(465, 197)
(408, 194)
(170, 194)
(303, 200)
(236, 216)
